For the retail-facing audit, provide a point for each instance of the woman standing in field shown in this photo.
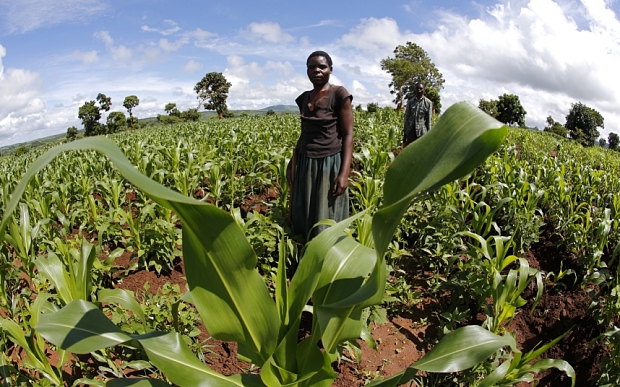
(319, 170)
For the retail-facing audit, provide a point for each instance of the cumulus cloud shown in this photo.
(20, 106)
(256, 86)
(119, 53)
(378, 37)
(85, 57)
(538, 50)
(27, 15)
(259, 95)
(166, 45)
(151, 54)
(268, 32)
(178, 91)
(192, 66)
(240, 72)
(201, 38)
(105, 37)
(359, 91)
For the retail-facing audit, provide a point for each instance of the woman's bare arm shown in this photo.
(345, 125)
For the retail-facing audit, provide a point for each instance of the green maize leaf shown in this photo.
(8, 238)
(284, 359)
(80, 327)
(308, 272)
(524, 275)
(35, 357)
(498, 374)
(173, 357)
(367, 337)
(40, 305)
(371, 292)
(136, 382)
(536, 352)
(275, 376)
(507, 261)
(228, 292)
(124, 298)
(281, 283)
(483, 248)
(325, 375)
(509, 288)
(545, 364)
(539, 292)
(345, 268)
(457, 351)
(54, 270)
(310, 358)
(16, 334)
(139, 365)
(83, 280)
(462, 349)
(461, 140)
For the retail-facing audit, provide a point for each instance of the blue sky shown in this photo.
(56, 55)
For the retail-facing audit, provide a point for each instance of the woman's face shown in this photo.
(318, 70)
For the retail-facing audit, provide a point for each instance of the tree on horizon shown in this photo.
(212, 92)
(409, 66)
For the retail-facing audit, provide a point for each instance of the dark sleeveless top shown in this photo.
(320, 136)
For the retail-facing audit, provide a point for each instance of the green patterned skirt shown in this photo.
(312, 194)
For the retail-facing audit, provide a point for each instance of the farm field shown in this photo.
(524, 247)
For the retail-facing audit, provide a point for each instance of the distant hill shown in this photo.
(282, 108)
(55, 138)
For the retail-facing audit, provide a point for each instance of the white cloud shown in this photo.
(359, 92)
(151, 54)
(105, 37)
(166, 45)
(27, 15)
(192, 66)
(178, 91)
(538, 52)
(253, 85)
(20, 105)
(85, 57)
(376, 36)
(119, 53)
(322, 23)
(173, 28)
(238, 72)
(201, 38)
(268, 32)
(78, 98)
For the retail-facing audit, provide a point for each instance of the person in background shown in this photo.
(417, 116)
(318, 173)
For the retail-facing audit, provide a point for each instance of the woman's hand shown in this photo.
(340, 185)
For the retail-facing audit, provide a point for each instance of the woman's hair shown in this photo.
(323, 54)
